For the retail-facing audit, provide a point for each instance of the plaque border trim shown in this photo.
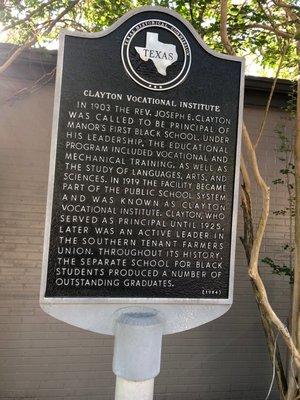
(48, 218)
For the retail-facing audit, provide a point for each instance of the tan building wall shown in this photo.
(42, 358)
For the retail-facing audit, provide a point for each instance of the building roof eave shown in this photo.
(32, 64)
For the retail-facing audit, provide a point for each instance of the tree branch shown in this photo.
(247, 241)
(17, 53)
(290, 6)
(59, 17)
(223, 28)
(33, 39)
(191, 12)
(262, 127)
(269, 28)
(253, 265)
(37, 85)
(289, 9)
(75, 24)
(245, 175)
(21, 21)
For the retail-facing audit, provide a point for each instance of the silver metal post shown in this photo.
(134, 390)
(137, 352)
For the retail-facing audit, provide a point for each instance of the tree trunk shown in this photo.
(247, 241)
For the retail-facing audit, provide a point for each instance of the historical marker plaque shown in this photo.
(143, 184)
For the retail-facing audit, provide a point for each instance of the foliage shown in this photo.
(266, 30)
(279, 269)
(247, 22)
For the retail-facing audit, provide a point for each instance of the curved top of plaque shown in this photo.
(152, 53)
(152, 12)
